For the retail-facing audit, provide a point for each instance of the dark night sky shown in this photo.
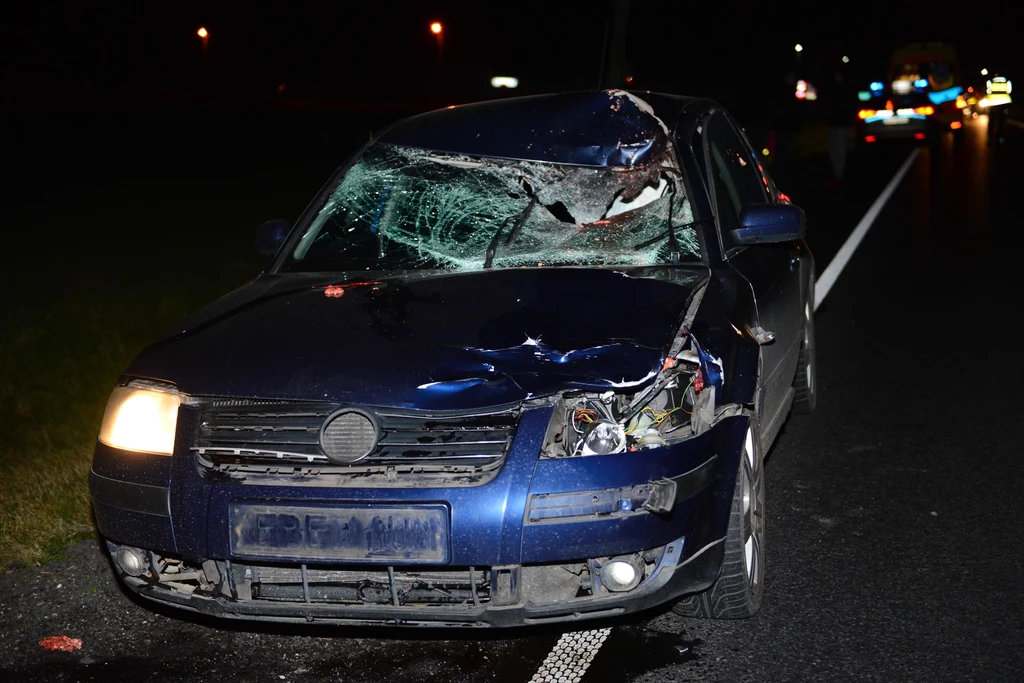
(382, 50)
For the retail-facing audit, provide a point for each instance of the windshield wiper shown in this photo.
(520, 219)
(673, 244)
(493, 246)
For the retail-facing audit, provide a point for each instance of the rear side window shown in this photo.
(734, 174)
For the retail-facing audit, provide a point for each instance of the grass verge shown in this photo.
(98, 276)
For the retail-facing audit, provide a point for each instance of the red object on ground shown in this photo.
(335, 291)
(61, 643)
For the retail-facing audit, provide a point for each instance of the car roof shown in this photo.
(599, 128)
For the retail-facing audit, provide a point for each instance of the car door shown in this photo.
(736, 180)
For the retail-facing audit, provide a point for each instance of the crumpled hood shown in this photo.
(453, 342)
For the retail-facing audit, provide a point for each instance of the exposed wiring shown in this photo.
(658, 417)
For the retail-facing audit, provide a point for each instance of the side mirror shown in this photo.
(270, 236)
(769, 224)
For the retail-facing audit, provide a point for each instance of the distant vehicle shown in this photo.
(518, 363)
(923, 97)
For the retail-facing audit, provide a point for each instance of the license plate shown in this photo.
(896, 121)
(417, 533)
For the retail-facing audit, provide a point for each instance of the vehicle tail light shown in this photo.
(960, 102)
(955, 125)
(866, 113)
(919, 136)
(925, 111)
(869, 138)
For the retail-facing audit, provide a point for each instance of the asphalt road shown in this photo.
(894, 520)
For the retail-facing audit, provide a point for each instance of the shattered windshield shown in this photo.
(400, 208)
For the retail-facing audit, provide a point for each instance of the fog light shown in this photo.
(132, 561)
(622, 573)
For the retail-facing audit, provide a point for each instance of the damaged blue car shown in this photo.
(518, 363)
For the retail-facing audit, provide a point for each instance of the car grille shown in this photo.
(283, 437)
(466, 587)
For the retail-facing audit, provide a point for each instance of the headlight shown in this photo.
(141, 419)
(604, 438)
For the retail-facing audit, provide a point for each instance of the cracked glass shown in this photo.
(400, 208)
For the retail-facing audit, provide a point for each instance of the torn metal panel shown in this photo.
(605, 129)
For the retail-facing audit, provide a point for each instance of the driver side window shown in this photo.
(734, 175)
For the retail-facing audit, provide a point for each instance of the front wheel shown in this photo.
(736, 594)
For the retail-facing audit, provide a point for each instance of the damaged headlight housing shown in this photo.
(680, 403)
(141, 417)
(588, 424)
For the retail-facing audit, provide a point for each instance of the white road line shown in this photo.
(829, 276)
(571, 656)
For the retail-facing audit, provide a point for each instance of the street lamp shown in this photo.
(984, 72)
(438, 30)
(204, 37)
(799, 48)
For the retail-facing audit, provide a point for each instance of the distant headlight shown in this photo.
(141, 419)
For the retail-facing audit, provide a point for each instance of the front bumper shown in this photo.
(668, 581)
(165, 507)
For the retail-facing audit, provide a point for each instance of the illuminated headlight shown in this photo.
(141, 419)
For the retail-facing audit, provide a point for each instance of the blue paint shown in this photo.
(451, 342)
(618, 132)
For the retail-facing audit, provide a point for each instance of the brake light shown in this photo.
(955, 125)
(866, 113)
(869, 138)
(919, 136)
(925, 111)
(888, 105)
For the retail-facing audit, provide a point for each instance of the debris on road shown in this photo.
(64, 643)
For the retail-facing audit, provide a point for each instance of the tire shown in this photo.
(736, 594)
(805, 383)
